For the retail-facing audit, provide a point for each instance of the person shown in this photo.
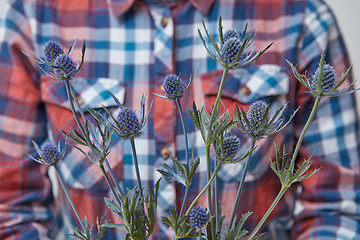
(131, 46)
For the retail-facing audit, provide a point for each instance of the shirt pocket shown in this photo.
(79, 172)
(243, 86)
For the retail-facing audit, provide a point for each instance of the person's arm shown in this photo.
(25, 190)
(328, 204)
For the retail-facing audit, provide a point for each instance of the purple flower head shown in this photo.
(255, 115)
(198, 217)
(231, 146)
(52, 50)
(230, 34)
(230, 49)
(50, 154)
(328, 79)
(174, 86)
(128, 122)
(64, 67)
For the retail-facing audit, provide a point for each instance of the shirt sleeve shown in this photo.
(25, 192)
(328, 204)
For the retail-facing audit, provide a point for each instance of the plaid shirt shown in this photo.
(131, 45)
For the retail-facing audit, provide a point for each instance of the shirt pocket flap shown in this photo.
(247, 85)
(90, 92)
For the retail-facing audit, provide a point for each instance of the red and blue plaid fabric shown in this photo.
(131, 46)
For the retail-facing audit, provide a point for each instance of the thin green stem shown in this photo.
(216, 199)
(200, 233)
(270, 209)
(183, 203)
(302, 135)
(86, 137)
(215, 110)
(110, 186)
(72, 97)
(185, 131)
(208, 167)
(136, 166)
(177, 100)
(61, 180)
(253, 141)
(204, 189)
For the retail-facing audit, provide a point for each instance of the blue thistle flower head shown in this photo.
(50, 154)
(52, 50)
(230, 34)
(327, 81)
(174, 86)
(255, 116)
(64, 67)
(128, 124)
(230, 49)
(231, 146)
(198, 217)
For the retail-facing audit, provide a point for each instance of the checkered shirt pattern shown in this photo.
(131, 46)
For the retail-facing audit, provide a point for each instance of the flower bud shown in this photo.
(230, 34)
(65, 66)
(52, 50)
(255, 115)
(128, 122)
(50, 153)
(328, 79)
(231, 146)
(174, 86)
(198, 217)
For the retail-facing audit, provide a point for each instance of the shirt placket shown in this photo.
(164, 110)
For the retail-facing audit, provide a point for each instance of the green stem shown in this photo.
(177, 100)
(136, 166)
(253, 141)
(302, 135)
(208, 177)
(72, 97)
(87, 139)
(110, 186)
(204, 189)
(266, 215)
(217, 102)
(61, 180)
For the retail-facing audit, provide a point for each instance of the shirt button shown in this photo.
(245, 90)
(164, 21)
(165, 152)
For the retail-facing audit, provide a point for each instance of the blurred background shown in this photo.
(348, 16)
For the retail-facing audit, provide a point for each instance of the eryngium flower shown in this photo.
(174, 86)
(52, 50)
(257, 124)
(230, 34)
(198, 217)
(230, 148)
(64, 67)
(129, 124)
(49, 154)
(258, 120)
(230, 49)
(327, 81)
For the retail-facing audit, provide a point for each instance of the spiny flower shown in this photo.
(257, 124)
(174, 86)
(127, 125)
(64, 67)
(128, 122)
(230, 148)
(257, 117)
(328, 87)
(49, 154)
(198, 217)
(230, 49)
(327, 81)
(52, 50)
(230, 34)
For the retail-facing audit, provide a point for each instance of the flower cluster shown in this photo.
(128, 122)
(228, 148)
(48, 154)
